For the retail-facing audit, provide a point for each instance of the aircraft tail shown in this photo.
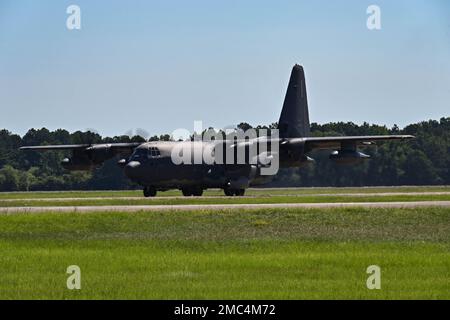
(294, 119)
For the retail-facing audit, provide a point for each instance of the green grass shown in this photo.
(267, 254)
(217, 192)
(221, 200)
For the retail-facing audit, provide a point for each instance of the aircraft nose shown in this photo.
(132, 169)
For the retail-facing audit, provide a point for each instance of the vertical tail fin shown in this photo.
(294, 119)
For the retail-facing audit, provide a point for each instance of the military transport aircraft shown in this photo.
(151, 164)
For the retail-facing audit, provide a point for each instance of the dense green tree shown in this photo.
(9, 178)
(423, 161)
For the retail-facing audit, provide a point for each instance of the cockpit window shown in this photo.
(143, 153)
(139, 153)
(153, 152)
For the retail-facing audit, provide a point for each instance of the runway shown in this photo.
(362, 194)
(218, 207)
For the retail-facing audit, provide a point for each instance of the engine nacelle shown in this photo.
(100, 153)
(122, 163)
(77, 164)
(292, 153)
(263, 159)
(348, 156)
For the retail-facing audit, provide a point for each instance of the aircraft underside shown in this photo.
(193, 180)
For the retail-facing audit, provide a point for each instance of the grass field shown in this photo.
(267, 254)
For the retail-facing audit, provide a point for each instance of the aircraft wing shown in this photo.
(350, 142)
(88, 156)
(56, 147)
(113, 146)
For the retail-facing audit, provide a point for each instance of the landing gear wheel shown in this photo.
(186, 192)
(228, 192)
(234, 192)
(149, 192)
(195, 191)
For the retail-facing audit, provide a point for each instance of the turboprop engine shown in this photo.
(88, 158)
(77, 164)
(348, 156)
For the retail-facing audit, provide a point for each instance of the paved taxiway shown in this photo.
(379, 194)
(411, 204)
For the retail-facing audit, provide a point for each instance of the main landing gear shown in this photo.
(192, 191)
(234, 192)
(149, 192)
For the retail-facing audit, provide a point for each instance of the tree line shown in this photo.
(422, 161)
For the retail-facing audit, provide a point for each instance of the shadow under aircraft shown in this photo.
(164, 165)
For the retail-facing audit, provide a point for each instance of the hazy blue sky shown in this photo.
(160, 65)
